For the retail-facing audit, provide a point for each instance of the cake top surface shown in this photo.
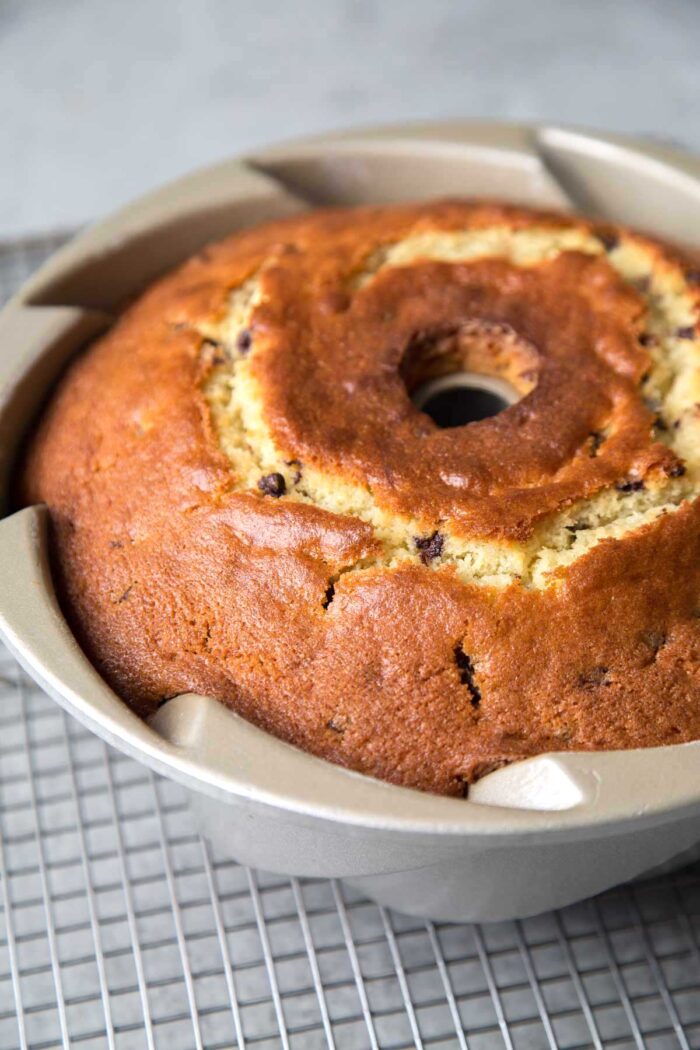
(247, 502)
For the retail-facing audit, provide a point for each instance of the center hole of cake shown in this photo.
(468, 373)
(455, 400)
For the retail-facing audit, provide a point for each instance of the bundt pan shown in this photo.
(531, 836)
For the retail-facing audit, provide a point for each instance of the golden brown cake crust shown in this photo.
(403, 658)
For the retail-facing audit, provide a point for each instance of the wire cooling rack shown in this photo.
(121, 929)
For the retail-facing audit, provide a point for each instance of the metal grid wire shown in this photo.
(121, 929)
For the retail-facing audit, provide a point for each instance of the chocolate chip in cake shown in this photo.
(610, 241)
(115, 544)
(126, 595)
(676, 471)
(685, 332)
(578, 526)
(642, 284)
(595, 676)
(692, 276)
(646, 339)
(273, 485)
(467, 674)
(429, 547)
(633, 485)
(330, 595)
(336, 724)
(244, 340)
(595, 440)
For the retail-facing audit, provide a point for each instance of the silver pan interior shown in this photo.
(535, 835)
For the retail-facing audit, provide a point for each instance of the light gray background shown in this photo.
(103, 99)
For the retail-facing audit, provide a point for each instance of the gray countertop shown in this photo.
(102, 100)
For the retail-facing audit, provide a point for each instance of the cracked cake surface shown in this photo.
(246, 503)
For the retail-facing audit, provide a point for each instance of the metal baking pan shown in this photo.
(535, 835)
